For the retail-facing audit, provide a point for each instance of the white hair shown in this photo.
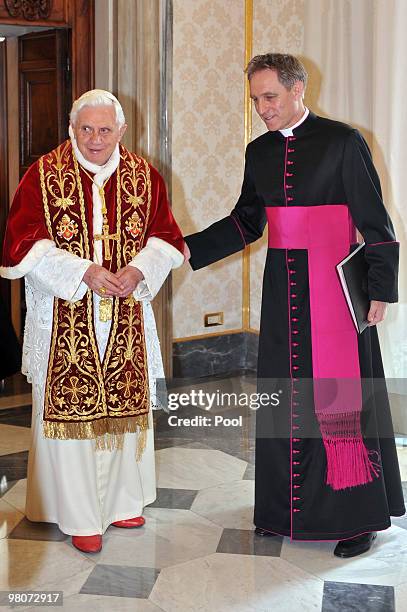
(97, 97)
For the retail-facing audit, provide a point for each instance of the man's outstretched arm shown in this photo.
(231, 234)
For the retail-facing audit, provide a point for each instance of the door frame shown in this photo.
(4, 197)
(79, 17)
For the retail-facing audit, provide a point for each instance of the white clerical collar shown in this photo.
(289, 131)
(101, 172)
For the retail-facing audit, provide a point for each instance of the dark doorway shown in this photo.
(45, 93)
(37, 73)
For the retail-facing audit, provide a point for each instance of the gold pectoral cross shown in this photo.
(106, 237)
(105, 309)
(105, 304)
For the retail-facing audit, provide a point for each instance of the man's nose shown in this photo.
(262, 107)
(96, 136)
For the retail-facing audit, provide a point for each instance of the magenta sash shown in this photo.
(326, 232)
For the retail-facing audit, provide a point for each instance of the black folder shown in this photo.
(353, 276)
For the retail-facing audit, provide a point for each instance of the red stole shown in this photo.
(86, 397)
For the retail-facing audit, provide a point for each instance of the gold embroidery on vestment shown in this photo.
(61, 184)
(85, 398)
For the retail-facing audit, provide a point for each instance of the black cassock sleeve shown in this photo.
(363, 191)
(244, 225)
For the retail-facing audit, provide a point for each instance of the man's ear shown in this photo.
(122, 130)
(298, 89)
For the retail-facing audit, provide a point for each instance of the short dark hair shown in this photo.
(289, 69)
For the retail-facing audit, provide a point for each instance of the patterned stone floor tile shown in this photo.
(120, 581)
(29, 564)
(6, 485)
(356, 597)
(15, 495)
(402, 457)
(14, 439)
(14, 385)
(184, 468)
(169, 537)
(249, 473)
(197, 445)
(102, 603)
(400, 596)
(245, 542)
(47, 532)
(241, 448)
(237, 583)
(228, 505)
(15, 401)
(71, 598)
(166, 442)
(400, 521)
(384, 564)
(14, 466)
(199, 533)
(19, 416)
(10, 517)
(178, 499)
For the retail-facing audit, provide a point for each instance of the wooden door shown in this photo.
(45, 61)
(45, 98)
(45, 93)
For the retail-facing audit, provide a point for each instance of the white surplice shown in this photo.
(69, 482)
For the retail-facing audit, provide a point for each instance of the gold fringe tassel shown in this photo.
(108, 432)
(141, 443)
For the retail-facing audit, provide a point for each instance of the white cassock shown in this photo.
(70, 483)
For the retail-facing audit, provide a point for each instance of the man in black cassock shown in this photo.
(326, 462)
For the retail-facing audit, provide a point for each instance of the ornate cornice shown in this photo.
(29, 9)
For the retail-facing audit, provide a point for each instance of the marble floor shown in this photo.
(197, 550)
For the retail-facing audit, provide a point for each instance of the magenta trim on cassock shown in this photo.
(325, 232)
(292, 396)
(380, 243)
(285, 166)
(239, 228)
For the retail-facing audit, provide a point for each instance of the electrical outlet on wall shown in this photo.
(213, 318)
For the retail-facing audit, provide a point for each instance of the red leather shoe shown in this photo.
(137, 521)
(88, 544)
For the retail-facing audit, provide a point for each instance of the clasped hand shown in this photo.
(109, 284)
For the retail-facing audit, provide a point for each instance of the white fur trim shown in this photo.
(155, 261)
(155, 265)
(176, 256)
(34, 255)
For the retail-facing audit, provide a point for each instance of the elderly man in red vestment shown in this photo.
(92, 232)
